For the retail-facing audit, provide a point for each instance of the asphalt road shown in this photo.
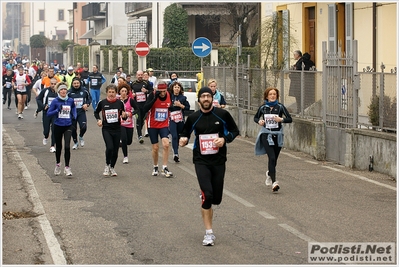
(139, 219)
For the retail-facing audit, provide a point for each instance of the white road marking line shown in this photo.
(311, 162)
(362, 178)
(237, 198)
(266, 215)
(290, 155)
(55, 249)
(296, 232)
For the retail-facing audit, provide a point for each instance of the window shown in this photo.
(60, 14)
(41, 14)
(41, 33)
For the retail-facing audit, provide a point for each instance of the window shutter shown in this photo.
(348, 28)
(275, 38)
(332, 28)
(286, 38)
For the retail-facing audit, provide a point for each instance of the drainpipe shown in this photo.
(374, 46)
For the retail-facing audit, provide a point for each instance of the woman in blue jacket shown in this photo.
(64, 110)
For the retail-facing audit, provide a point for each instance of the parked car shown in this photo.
(190, 91)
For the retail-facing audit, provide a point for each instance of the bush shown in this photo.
(389, 112)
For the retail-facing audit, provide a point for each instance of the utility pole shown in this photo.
(239, 46)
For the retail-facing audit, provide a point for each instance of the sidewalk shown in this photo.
(22, 235)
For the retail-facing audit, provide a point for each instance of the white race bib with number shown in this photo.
(176, 116)
(65, 112)
(140, 97)
(207, 146)
(78, 102)
(94, 82)
(270, 122)
(49, 100)
(21, 88)
(111, 115)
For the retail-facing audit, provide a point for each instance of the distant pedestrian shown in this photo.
(7, 87)
(21, 80)
(95, 80)
(213, 128)
(270, 139)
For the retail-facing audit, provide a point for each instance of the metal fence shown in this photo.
(253, 81)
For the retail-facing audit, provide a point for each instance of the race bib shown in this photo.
(65, 112)
(128, 122)
(207, 146)
(140, 97)
(78, 102)
(8, 85)
(21, 88)
(49, 100)
(161, 114)
(270, 123)
(176, 116)
(215, 102)
(111, 115)
(94, 82)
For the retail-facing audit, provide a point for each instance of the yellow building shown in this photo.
(373, 25)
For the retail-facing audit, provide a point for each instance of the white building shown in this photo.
(50, 19)
(107, 23)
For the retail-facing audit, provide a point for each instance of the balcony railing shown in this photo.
(131, 8)
(93, 11)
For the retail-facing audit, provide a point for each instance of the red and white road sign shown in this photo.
(142, 49)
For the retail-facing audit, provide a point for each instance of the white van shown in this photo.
(190, 91)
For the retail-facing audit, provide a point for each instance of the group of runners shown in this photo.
(129, 105)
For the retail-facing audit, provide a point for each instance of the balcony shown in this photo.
(138, 9)
(94, 11)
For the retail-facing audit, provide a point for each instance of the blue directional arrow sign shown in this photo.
(201, 47)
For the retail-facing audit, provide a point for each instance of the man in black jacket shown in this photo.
(140, 90)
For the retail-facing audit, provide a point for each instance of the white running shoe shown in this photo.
(44, 141)
(20, 116)
(275, 187)
(166, 172)
(155, 171)
(67, 171)
(268, 181)
(52, 149)
(75, 146)
(82, 141)
(26, 107)
(125, 160)
(209, 240)
(112, 172)
(106, 170)
(57, 169)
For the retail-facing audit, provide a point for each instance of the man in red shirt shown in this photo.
(157, 106)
